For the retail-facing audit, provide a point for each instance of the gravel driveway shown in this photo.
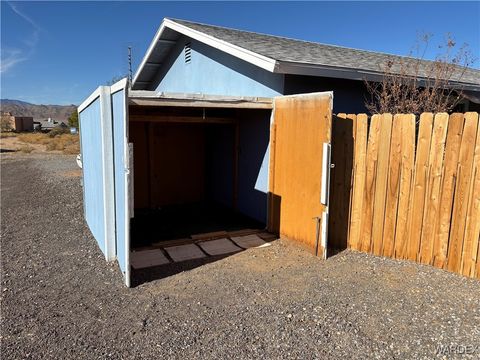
(61, 300)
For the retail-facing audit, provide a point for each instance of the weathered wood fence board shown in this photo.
(416, 189)
(472, 229)
(369, 190)
(360, 130)
(406, 178)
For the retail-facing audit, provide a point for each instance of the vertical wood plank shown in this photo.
(472, 227)
(452, 150)
(381, 182)
(369, 194)
(415, 218)
(432, 201)
(359, 172)
(393, 187)
(406, 178)
(465, 162)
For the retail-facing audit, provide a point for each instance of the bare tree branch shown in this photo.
(413, 85)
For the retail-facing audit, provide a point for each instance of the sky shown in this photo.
(59, 52)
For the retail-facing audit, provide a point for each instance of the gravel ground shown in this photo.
(61, 300)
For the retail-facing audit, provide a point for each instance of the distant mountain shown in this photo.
(38, 112)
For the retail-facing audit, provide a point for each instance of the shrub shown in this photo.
(34, 138)
(7, 134)
(27, 149)
(67, 143)
(5, 124)
(58, 130)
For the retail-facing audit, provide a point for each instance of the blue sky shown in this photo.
(59, 52)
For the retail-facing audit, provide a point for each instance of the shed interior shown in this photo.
(197, 170)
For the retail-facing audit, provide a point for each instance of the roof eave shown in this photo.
(294, 68)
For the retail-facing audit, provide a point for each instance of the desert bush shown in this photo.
(7, 134)
(5, 124)
(67, 143)
(34, 138)
(59, 130)
(72, 149)
(27, 149)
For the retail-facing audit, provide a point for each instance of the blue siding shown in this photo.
(253, 164)
(92, 159)
(119, 145)
(214, 72)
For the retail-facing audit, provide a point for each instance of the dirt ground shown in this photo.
(61, 300)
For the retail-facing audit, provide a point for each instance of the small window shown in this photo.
(188, 53)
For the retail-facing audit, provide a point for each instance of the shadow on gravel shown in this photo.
(141, 276)
(7, 150)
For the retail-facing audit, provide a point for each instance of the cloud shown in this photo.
(13, 56)
(24, 16)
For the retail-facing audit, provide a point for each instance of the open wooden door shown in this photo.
(300, 168)
(122, 170)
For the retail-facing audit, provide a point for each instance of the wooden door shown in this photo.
(300, 167)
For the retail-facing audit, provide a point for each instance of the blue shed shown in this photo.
(220, 130)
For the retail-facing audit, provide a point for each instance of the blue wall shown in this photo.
(214, 72)
(92, 160)
(252, 169)
(348, 95)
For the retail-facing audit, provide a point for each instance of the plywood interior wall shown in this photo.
(169, 163)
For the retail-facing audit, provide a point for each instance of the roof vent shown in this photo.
(188, 53)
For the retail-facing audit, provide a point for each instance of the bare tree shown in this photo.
(414, 85)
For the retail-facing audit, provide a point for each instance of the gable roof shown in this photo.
(282, 55)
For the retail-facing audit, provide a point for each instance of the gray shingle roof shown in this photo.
(304, 52)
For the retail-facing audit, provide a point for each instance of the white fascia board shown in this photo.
(93, 96)
(149, 51)
(237, 51)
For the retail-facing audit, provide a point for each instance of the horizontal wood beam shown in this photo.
(182, 119)
(222, 104)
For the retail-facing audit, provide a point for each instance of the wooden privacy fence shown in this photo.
(416, 188)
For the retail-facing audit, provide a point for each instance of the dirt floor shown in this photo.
(61, 300)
